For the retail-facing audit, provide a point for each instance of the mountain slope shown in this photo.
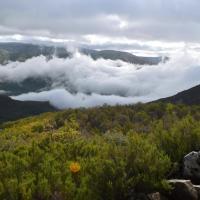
(21, 52)
(189, 97)
(124, 56)
(27, 85)
(12, 109)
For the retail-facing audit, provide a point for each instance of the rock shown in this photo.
(197, 188)
(156, 196)
(183, 190)
(191, 166)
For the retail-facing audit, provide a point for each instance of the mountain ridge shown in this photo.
(190, 96)
(22, 51)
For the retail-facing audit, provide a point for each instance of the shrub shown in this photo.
(147, 166)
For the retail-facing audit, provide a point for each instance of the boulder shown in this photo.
(191, 166)
(182, 190)
(197, 188)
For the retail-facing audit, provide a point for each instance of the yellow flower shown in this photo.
(74, 167)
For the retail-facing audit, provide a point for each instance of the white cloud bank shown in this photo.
(61, 99)
(104, 81)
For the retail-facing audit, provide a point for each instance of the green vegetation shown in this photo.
(102, 153)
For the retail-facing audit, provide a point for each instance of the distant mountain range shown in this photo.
(188, 97)
(12, 109)
(22, 52)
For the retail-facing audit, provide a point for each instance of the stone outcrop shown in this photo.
(197, 188)
(191, 166)
(183, 190)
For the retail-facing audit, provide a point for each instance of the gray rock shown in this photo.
(197, 188)
(183, 190)
(191, 166)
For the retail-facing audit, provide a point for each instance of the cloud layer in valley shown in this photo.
(82, 81)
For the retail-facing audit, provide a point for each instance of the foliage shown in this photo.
(115, 151)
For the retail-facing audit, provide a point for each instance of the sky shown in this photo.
(156, 26)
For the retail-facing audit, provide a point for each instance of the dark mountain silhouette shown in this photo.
(12, 109)
(189, 97)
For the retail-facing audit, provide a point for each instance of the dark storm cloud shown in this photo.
(171, 20)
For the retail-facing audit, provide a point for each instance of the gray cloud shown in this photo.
(139, 19)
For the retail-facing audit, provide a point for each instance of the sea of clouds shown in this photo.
(80, 81)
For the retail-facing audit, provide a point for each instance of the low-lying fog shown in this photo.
(81, 81)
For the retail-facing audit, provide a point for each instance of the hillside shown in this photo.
(22, 51)
(12, 109)
(99, 153)
(188, 97)
(25, 86)
(124, 56)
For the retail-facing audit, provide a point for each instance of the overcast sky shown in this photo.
(110, 23)
(143, 19)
